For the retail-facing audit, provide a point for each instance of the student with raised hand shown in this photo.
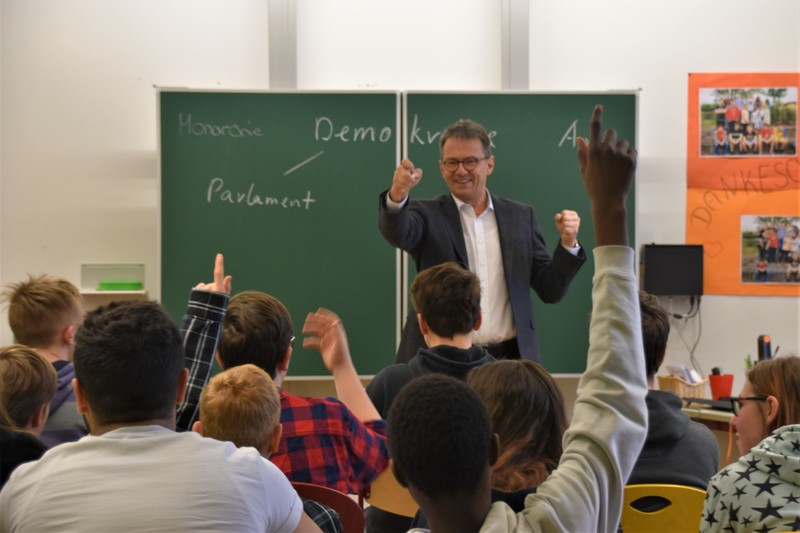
(427, 427)
(325, 441)
(761, 490)
(526, 415)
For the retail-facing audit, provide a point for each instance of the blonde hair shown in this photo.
(241, 405)
(39, 308)
(28, 383)
(779, 377)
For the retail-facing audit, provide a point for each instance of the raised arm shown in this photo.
(607, 167)
(200, 328)
(609, 421)
(325, 333)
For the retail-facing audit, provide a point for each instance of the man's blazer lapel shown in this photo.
(453, 223)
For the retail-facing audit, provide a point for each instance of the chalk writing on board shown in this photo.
(325, 130)
(218, 193)
(193, 128)
(305, 162)
(571, 134)
(417, 136)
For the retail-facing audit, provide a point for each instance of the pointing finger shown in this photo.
(596, 125)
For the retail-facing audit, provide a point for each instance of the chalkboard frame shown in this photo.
(571, 355)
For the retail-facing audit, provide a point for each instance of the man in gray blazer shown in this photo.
(498, 239)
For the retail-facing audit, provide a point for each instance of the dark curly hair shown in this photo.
(439, 435)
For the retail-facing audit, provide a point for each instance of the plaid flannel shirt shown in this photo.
(200, 330)
(323, 442)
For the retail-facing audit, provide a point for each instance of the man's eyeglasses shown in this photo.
(737, 402)
(470, 163)
(291, 341)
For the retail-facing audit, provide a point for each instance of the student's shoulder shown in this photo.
(230, 456)
(393, 373)
(294, 407)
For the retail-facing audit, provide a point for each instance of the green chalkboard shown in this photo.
(286, 186)
(536, 163)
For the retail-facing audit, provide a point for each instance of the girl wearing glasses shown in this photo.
(761, 491)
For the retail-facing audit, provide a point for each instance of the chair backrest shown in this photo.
(661, 508)
(350, 513)
(387, 494)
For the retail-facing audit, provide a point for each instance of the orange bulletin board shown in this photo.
(743, 198)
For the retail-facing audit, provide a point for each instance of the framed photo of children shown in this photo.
(770, 249)
(743, 181)
(748, 121)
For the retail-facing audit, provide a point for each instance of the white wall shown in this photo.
(626, 44)
(78, 121)
(78, 149)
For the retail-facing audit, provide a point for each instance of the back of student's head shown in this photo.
(655, 332)
(779, 377)
(28, 382)
(40, 308)
(439, 436)
(526, 411)
(448, 296)
(241, 405)
(128, 361)
(257, 330)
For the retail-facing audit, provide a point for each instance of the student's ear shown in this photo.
(80, 398)
(219, 360)
(423, 326)
(183, 380)
(68, 335)
(772, 409)
(401, 479)
(197, 427)
(478, 321)
(38, 419)
(494, 449)
(275, 439)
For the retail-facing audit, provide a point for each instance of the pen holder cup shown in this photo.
(721, 385)
(683, 388)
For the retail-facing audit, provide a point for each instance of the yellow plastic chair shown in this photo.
(387, 494)
(657, 508)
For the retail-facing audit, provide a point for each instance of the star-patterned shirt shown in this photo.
(761, 491)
